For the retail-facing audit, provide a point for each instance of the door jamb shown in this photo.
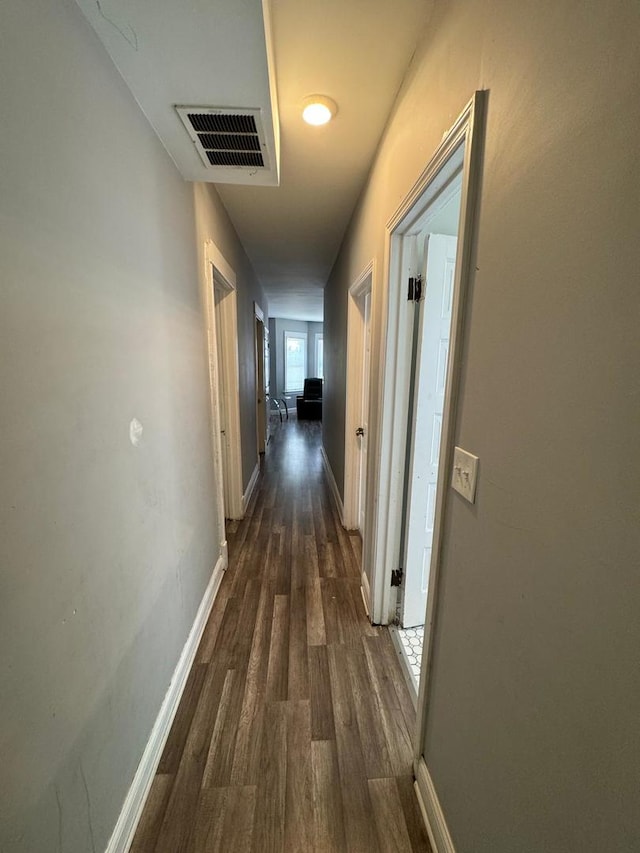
(261, 439)
(217, 270)
(355, 342)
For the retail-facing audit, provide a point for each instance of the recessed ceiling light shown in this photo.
(318, 109)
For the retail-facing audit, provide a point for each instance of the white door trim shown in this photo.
(355, 342)
(260, 386)
(218, 270)
(461, 147)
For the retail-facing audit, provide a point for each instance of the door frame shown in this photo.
(261, 414)
(218, 271)
(355, 364)
(460, 147)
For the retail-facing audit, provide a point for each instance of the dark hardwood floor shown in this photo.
(293, 733)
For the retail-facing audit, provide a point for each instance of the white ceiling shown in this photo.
(191, 53)
(224, 53)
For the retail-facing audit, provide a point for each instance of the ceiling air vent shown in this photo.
(232, 138)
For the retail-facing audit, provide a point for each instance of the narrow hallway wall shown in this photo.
(533, 735)
(105, 548)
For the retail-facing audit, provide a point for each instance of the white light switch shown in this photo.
(465, 474)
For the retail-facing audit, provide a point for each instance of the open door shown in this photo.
(431, 359)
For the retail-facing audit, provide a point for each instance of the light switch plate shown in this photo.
(465, 474)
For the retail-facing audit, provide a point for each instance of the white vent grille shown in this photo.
(231, 138)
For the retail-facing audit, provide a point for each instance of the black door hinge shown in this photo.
(414, 292)
(396, 577)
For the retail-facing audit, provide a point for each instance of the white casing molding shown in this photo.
(333, 486)
(246, 498)
(431, 811)
(218, 273)
(353, 415)
(125, 828)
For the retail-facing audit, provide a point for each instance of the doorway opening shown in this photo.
(222, 339)
(429, 252)
(357, 410)
(415, 450)
(262, 379)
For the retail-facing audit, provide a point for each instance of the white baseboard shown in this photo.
(333, 486)
(125, 828)
(246, 498)
(431, 810)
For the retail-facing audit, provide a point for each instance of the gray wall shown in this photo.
(534, 732)
(105, 549)
(277, 328)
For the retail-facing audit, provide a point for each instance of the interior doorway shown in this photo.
(261, 342)
(222, 337)
(357, 409)
(433, 246)
(410, 425)
(436, 248)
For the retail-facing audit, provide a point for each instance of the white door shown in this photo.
(434, 330)
(363, 426)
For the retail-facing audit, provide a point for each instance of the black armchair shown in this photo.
(309, 403)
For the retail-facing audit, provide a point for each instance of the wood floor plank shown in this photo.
(225, 820)
(223, 647)
(344, 622)
(320, 531)
(293, 731)
(268, 833)
(250, 725)
(298, 674)
(328, 817)
(389, 816)
(174, 746)
(176, 833)
(392, 722)
(283, 564)
(359, 831)
(217, 771)
(412, 816)
(327, 564)
(322, 726)
(330, 611)
(210, 633)
(241, 644)
(278, 669)
(364, 625)
(153, 814)
(316, 632)
(299, 794)
(374, 745)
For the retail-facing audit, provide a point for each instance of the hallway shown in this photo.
(293, 733)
